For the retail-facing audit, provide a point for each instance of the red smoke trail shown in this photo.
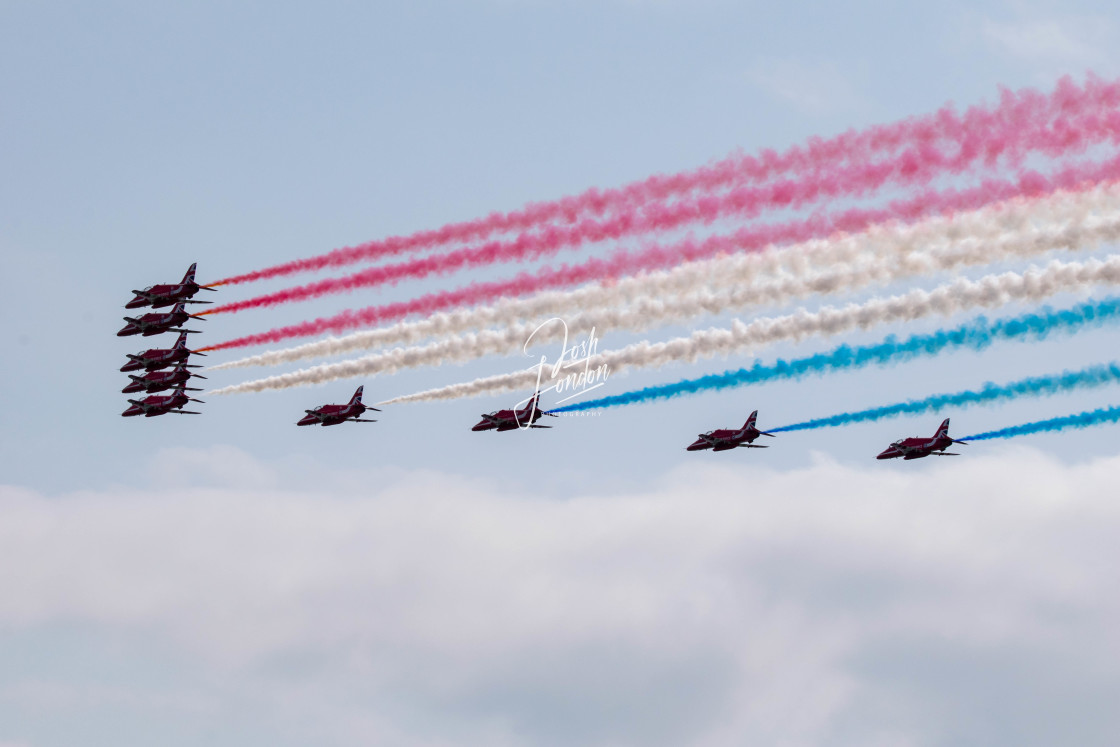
(655, 257)
(1024, 108)
(910, 168)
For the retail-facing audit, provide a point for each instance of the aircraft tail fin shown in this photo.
(943, 430)
(357, 398)
(189, 277)
(750, 421)
(182, 341)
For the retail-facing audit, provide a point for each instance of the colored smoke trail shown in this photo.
(976, 335)
(648, 312)
(1026, 108)
(1035, 386)
(656, 257)
(1102, 416)
(1014, 229)
(910, 168)
(988, 292)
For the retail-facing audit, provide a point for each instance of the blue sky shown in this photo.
(139, 138)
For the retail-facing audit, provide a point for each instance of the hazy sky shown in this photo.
(231, 579)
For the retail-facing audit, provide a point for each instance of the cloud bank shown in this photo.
(730, 604)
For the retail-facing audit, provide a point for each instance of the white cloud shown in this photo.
(1071, 43)
(811, 87)
(733, 605)
(217, 465)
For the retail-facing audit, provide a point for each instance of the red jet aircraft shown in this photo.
(916, 448)
(158, 381)
(157, 322)
(159, 404)
(335, 414)
(156, 358)
(508, 420)
(725, 439)
(167, 295)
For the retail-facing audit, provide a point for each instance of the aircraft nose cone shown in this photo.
(697, 445)
(886, 454)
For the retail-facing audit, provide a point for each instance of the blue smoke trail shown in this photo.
(1036, 386)
(1080, 420)
(975, 335)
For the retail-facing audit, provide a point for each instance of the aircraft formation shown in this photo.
(936, 204)
(907, 448)
(723, 439)
(161, 369)
(154, 361)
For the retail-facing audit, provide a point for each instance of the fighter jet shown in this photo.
(335, 414)
(158, 381)
(155, 323)
(167, 295)
(159, 404)
(157, 358)
(508, 420)
(725, 439)
(916, 448)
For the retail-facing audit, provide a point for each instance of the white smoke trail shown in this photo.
(961, 295)
(646, 313)
(880, 244)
